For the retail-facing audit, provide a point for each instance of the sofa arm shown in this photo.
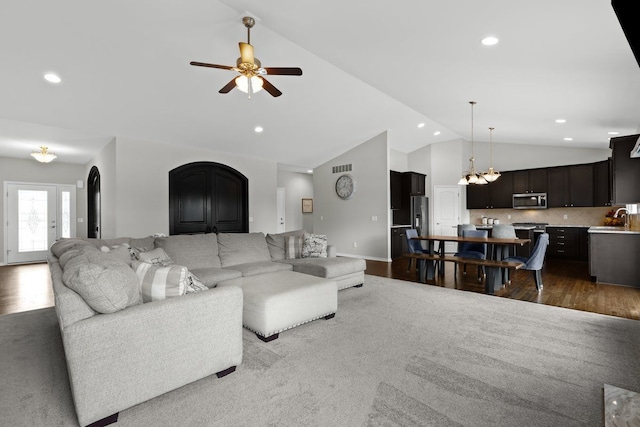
(118, 360)
(331, 251)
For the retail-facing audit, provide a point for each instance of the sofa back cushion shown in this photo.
(193, 251)
(242, 248)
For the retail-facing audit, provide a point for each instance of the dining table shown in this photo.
(496, 249)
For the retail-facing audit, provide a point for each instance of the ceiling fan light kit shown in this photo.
(251, 78)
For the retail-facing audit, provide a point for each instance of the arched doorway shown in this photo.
(208, 197)
(93, 204)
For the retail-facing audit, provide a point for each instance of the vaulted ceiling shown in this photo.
(368, 67)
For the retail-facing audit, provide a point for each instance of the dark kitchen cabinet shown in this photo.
(495, 195)
(569, 243)
(398, 242)
(413, 184)
(478, 196)
(530, 181)
(626, 170)
(571, 186)
(602, 183)
(396, 189)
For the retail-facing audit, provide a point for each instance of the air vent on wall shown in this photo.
(342, 168)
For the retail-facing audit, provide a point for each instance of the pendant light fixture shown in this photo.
(492, 175)
(471, 176)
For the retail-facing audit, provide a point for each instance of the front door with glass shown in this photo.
(38, 214)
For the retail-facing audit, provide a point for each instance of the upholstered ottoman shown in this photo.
(275, 302)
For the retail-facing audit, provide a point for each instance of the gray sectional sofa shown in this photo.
(121, 352)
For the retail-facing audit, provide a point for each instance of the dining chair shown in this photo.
(472, 250)
(536, 260)
(504, 231)
(414, 246)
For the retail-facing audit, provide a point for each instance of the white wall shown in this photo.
(348, 221)
(29, 170)
(399, 161)
(142, 185)
(297, 186)
(105, 161)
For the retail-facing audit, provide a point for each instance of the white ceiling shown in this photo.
(368, 67)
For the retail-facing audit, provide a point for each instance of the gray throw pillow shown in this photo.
(106, 289)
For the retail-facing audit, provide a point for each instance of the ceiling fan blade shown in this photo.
(246, 53)
(270, 88)
(227, 88)
(283, 71)
(204, 64)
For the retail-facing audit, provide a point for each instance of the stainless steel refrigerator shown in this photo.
(419, 214)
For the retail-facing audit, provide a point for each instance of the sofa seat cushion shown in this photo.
(328, 268)
(242, 248)
(210, 277)
(255, 268)
(193, 251)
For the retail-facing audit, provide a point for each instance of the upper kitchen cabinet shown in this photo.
(396, 189)
(495, 195)
(626, 170)
(602, 183)
(530, 181)
(571, 186)
(413, 183)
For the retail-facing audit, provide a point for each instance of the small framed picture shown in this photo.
(307, 205)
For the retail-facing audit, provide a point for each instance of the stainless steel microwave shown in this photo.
(530, 201)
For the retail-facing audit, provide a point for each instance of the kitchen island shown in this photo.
(613, 255)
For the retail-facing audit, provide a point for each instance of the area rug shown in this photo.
(396, 354)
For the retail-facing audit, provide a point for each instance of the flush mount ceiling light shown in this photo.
(43, 156)
(490, 41)
(470, 176)
(492, 175)
(52, 78)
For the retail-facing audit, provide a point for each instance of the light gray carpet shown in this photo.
(396, 354)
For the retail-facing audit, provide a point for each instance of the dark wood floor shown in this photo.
(566, 284)
(25, 287)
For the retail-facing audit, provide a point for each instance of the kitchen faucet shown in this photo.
(626, 215)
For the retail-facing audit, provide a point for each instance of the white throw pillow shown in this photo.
(314, 246)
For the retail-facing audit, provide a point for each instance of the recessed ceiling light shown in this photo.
(490, 41)
(52, 78)
(310, 171)
(561, 121)
(420, 125)
(613, 133)
(258, 129)
(568, 139)
(436, 133)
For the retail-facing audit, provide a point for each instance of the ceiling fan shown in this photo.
(251, 78)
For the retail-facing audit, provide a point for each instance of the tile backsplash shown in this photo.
(555, 216)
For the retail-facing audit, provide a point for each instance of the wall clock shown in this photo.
(345, 186)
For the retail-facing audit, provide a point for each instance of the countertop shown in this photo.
(401, 226)
(516, 227)
(612, 230)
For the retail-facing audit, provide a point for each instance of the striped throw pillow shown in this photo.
(158, 282)
(292, 247)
